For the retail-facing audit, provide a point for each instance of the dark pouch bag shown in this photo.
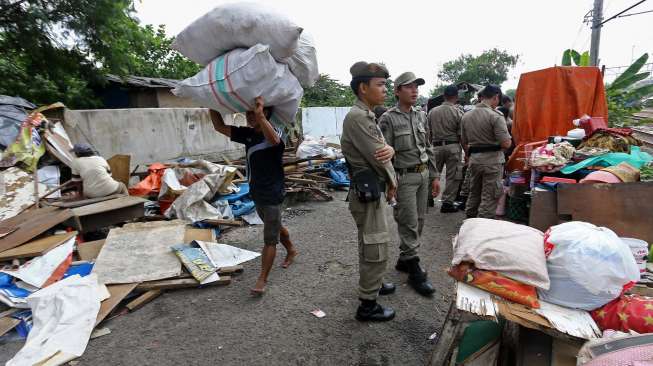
(366, 186)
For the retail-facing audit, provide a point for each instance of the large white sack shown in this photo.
(231, 82)
(238, 25)
(588, 265)
(303, 63)
(515, 251)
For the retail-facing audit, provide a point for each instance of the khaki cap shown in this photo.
(370, 70)
(408, 78)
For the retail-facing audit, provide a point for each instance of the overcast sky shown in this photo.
(420, 36)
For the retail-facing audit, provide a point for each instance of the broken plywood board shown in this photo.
(199, 234)
(107, 213)
(88, 251)
(120, 169)
(117, 292)
(143, 299)
(577, 323)
(138, 254)
(109, 205)
(174, 284)
(474, 300)
(37, 247)
(31, 224)
(7, 324)
(17, 192)
(83, 202)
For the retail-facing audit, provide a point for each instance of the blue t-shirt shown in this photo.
(264, 165)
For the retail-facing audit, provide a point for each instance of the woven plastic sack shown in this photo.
(231, 82)
(589, 266)
(303, 63)
(513, 250)
(237, 25)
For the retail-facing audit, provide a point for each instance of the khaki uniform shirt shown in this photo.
(444, 122)
(360, 139)
(407, 134)
(484, 126)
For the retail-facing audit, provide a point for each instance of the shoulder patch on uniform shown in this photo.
(374, 131)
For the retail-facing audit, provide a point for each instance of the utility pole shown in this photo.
(597, 19)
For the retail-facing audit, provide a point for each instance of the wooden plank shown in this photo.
(110, 205)
(37, 247)
(30, 224)
(231, 270)
(88, 251)
(143, 299)
(544, 210)
(115, 216)
(120, 168)
(199, 234)
(624, 207)
(7, 324)
(84, 202)
(174, 284)
(224, 222)
(449, 337)
(118, 292)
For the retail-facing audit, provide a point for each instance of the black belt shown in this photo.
(413, 169)
(443, 143)
(483, 148)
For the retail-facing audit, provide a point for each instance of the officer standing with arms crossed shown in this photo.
(404, 128)
(444, 125)
(484, 137)
(373, 182)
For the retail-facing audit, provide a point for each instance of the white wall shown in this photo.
(324, 121)
(152, 134)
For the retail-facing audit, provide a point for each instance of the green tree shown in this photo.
(490, 67)
(60, 50)
(328, 92)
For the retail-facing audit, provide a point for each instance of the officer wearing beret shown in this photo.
(373, 184)
(444, 125)
(404, 128)
(484, 137)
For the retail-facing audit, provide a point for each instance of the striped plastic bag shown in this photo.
(230, 83)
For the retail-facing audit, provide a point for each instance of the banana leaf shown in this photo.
(627, 82)
(584, 59)
(640, 93)
(566, 58)
(632, 69)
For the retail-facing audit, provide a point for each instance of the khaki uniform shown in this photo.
(360, 139)
(484, 126)
(414, 165)
(444, 124)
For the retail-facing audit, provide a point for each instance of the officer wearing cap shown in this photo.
(405, 129)
(444, 125)
(373, 184)
(484, 137)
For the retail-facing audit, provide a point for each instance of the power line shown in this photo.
(630, 15)
(619, 13)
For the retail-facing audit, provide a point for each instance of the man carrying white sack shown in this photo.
(266, 179)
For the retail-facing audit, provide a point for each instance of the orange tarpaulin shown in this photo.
(548, 100)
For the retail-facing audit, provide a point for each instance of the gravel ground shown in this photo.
(226, 325)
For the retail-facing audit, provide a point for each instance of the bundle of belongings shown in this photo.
(249, 51)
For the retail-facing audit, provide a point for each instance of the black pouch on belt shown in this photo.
(366, 186)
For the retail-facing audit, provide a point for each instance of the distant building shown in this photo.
(142, 92)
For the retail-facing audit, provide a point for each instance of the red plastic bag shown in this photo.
(151, 184)
(626, 313)
(496, 283)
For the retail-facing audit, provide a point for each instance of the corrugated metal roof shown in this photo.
(143, 82)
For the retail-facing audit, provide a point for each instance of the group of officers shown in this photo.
(395, 159)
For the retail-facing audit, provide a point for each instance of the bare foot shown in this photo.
(290, 257)
(259, 288)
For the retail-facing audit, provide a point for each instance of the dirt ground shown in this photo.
(225, 325)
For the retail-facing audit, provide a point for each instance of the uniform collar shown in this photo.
(482, 105)
(448, 103)
(359, 103)
(398, 110)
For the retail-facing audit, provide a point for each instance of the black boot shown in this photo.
(430, 202)
(405, 266)
(387, 289)
(370, 310)
(448, 207)
(462, 203)
(418, 279)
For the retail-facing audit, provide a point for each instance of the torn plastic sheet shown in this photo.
(46, 269)
(223, 255)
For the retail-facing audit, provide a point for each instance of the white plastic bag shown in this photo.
(512, 250)
(238, 25)
(231, 82)
(588, 265)
(303, 63)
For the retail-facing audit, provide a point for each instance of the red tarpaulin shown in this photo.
(548, 100)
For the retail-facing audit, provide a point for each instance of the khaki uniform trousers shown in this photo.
(412, 195)
(449, 156)
(373, 239)
(485, 190)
